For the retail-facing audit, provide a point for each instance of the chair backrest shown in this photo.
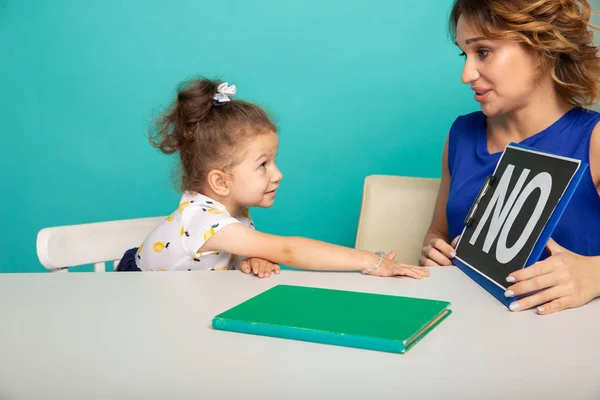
(61, 247)
(395, 214)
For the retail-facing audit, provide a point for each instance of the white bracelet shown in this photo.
(381, 255)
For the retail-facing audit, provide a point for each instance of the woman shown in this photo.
(532, 66)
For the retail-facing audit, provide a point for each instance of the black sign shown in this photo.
(511, 211)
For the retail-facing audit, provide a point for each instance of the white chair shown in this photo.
(61, 247)
(395, 215)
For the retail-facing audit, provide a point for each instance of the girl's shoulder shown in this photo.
(199, 211)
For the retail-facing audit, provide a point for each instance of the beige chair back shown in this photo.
(395, 214)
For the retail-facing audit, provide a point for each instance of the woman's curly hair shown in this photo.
(558, 30)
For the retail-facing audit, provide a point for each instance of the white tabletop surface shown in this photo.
(148, 336)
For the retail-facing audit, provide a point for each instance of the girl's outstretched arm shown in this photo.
(305, 253)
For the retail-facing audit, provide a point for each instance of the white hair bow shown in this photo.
(224, 93)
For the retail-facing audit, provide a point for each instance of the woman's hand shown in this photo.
(438, 253)
(389, 267)
(564, 280)
(259, 267)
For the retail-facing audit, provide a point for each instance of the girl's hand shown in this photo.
(259, 267)
(389, 267)
(564, 280)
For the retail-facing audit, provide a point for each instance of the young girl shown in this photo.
(227, 150)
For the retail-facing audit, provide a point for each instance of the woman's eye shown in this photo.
(483, 53)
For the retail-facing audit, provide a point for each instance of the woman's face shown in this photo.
(502, 73)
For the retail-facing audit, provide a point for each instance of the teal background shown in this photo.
(357, 88)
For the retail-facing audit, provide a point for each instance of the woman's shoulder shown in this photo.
(582, 121)
(468, 122)
(465, 130)
(587, 113)
(595, 152)
(592, 119)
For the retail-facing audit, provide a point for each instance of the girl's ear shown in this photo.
(218, 182)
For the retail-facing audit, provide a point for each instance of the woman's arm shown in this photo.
(436, 250)
(303, 253)
(595, 156)
(438, 227)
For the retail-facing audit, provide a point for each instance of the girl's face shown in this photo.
(256, 179)
(502, 73)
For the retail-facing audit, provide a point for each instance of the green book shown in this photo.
(337, 317)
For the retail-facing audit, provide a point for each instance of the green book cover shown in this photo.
(337, 317)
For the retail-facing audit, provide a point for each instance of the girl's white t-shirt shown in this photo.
(174, 244)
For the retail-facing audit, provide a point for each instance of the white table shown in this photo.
(148, 336)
